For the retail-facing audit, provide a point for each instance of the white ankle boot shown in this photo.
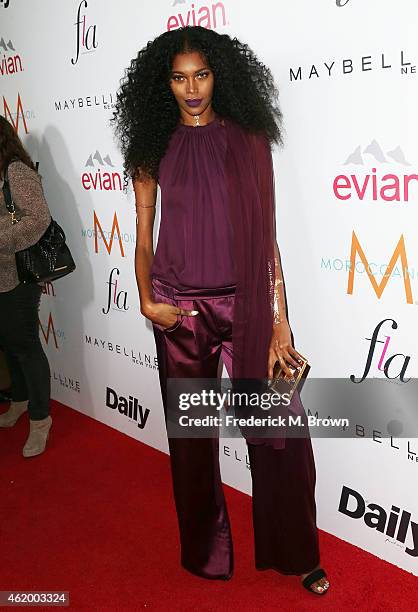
(9, 418)
(38, 436)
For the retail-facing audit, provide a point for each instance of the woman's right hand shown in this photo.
(166, 314)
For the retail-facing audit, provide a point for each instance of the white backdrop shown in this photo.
(346, 71)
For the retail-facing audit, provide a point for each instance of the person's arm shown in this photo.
(160, 313)
(145, 201)
(31, 208)
(281, 348)
(279, 296)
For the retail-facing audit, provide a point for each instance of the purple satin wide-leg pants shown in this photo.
(283, 480)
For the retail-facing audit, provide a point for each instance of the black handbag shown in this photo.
(48, 259)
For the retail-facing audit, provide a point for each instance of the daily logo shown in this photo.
(99, 175)
(395, 524)
(392, 365)
(116, 298)
(127, 406)
(10, 61)
(86, 34)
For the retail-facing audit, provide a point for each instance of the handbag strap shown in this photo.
(10, 205)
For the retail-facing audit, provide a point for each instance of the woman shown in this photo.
(19, 303)
(196, 113)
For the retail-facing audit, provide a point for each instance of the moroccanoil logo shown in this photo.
(108, 235)
(398, 254)
(114, 231)
(211, 16)
(50, 333)
(15, 117)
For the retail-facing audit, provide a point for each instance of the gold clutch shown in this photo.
(282, 384)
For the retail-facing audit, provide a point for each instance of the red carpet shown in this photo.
(94, 516)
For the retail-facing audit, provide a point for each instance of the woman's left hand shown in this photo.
(281, 350)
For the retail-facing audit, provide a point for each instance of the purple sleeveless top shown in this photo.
(194, 248)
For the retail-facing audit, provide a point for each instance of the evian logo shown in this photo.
(99, 176)
(397, 361)
(127, 406)
(395, 524)
(211, 16)
(365, 185)
(86, 34)
(10, 61)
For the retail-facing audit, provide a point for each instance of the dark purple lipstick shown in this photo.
(194, 102)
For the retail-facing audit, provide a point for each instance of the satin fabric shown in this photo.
(283, 495)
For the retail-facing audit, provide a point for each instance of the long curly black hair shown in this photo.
(146, 111)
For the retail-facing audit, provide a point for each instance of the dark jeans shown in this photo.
(19, 338)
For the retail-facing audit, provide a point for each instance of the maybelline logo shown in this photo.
(5, 3)
(105, 101)
(396, 524)
(86, 34)
(136, 357)
(403, 447)
(348, 66)
(209, 16)
(236, 456)
(370, 186)
(99, 175)
(65, 381)
(116, 299)
(398, 362)
(10, 61)
(127, 406)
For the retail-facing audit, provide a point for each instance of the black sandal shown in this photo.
(314, 577)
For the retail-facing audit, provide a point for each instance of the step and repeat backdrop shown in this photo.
(347, 198)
